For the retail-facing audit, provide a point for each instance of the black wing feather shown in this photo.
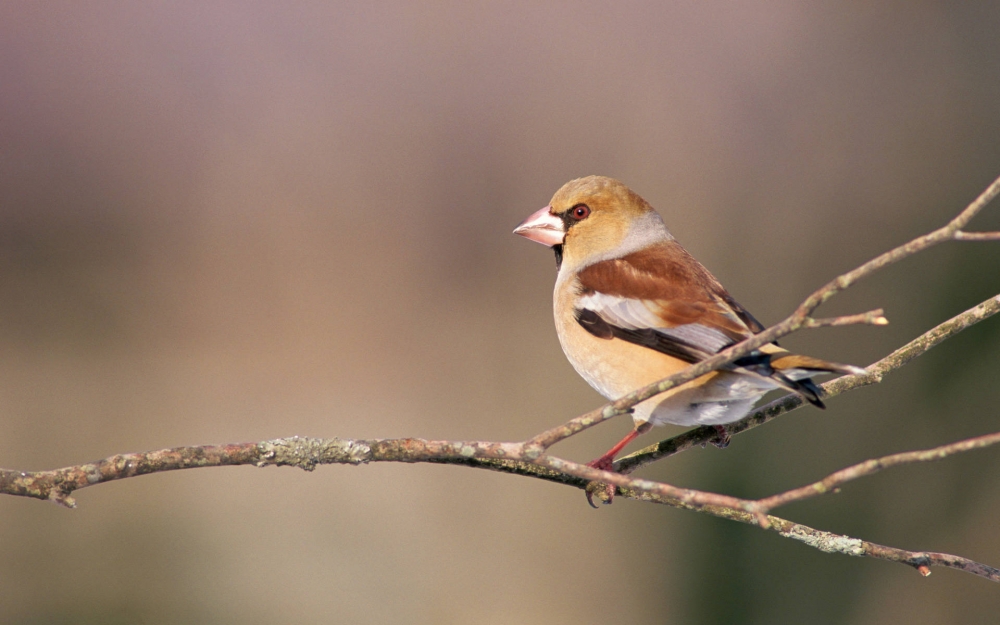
(759, 363)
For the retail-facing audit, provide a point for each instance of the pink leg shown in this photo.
(606, 462)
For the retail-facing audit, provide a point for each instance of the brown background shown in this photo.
(230, 222)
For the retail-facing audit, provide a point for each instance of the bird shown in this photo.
(632, 307)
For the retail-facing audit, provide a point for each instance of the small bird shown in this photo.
(632, 307)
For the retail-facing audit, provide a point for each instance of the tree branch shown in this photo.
(872, 466)
(829, 542)
(307, 453)
(977, 236)
(530, 457)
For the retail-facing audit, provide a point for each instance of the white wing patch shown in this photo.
(636, 314)
(706, 338)
(631, 314)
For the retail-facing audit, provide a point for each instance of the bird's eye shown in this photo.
(580, 212)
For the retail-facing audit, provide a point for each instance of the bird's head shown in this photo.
(592, 219)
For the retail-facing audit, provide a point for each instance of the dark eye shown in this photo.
(580, 212)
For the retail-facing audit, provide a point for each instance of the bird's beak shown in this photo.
(542, 227)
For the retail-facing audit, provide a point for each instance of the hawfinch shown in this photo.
(633, 307)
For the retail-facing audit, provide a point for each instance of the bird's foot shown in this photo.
(722, 437)
(604, 492)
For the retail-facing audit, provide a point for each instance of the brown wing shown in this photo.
(665, 288)
(665, 300)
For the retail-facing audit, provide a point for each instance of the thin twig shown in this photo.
(977, 236)
(872, 317)
(872, 466)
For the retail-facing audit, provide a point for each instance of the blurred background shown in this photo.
(226, 222)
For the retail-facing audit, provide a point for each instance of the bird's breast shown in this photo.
(612, 366)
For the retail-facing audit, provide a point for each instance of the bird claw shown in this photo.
(604, 492)
(722, 437)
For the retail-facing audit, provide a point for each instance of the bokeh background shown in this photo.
(236, 221)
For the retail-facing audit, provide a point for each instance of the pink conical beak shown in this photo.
(542, 227)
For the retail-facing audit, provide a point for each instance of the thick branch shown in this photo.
(57, 485)
(307, 453)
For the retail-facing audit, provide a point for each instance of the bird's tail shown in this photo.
(793, 372)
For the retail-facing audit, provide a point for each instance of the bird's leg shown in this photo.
(606, 463)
